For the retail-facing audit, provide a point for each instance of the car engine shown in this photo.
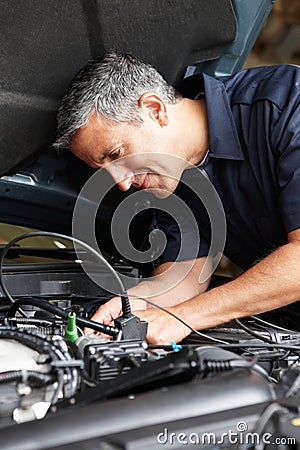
(51, 370)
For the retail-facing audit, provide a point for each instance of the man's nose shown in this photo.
(121, 177)
(125, 184)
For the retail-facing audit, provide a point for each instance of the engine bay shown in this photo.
(234, 386)
(50, 369)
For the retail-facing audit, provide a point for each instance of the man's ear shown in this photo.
(153, 106)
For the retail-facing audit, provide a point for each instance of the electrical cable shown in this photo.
(59, 387)
(269, 324)
(264, 328)
(107, 329)
(253, 333)
(35, 379)
(231, 364)
(71, 372)
(281, 357)
(125, 301)
(84, 375)
(257, 367)
(31, 321)
(87, 247)
(272, 355)
(292, 348)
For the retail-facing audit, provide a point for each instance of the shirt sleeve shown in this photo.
(286, 137)
(183, 241)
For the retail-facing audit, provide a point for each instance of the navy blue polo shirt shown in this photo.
(253, 161)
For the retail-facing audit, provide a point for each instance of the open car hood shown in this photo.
(116, 394)
(44, 44)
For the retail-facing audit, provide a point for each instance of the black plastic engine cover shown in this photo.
(146, 414)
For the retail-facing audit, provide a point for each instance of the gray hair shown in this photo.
(111, 86)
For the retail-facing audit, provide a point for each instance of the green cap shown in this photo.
(71, 334)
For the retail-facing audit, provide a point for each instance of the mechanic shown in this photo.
(244, 130)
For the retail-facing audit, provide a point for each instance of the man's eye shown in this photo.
(115, 154)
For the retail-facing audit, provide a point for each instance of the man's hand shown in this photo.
(112, 309)
(271, 283)
(162, 327)
(106, 314)
(189, 285)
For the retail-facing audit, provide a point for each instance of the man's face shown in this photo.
(139, 156)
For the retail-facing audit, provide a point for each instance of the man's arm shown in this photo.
(270, 284)
(172, 283)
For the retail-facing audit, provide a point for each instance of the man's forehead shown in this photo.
(96, 135)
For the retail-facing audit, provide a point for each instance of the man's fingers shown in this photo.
(106, 315)
(89, 331)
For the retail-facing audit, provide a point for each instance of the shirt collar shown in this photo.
(223, 137)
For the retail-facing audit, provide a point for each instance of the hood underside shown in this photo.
(44, 44)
